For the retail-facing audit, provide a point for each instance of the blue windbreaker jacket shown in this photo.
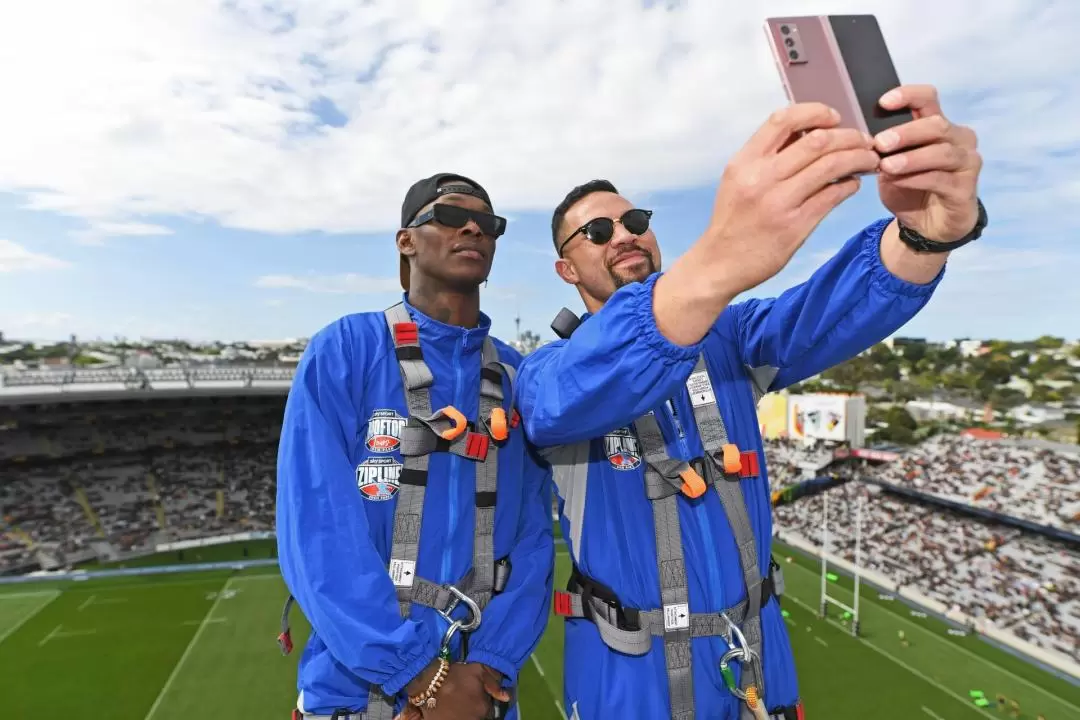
(615, 368)
(334, 544)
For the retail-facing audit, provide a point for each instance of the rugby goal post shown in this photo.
(827, 599)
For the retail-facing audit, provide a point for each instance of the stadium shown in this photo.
(138, 578)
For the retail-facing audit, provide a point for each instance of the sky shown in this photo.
(234, 169)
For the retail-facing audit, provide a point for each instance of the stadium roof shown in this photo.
(27, 387)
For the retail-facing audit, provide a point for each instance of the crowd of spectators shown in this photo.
(1036, 482)
(1010, 579)
(75, 484)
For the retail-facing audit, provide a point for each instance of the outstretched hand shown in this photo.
(930, 183)
(792, 172)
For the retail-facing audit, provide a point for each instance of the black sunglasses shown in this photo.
(455, 216)
(600, 230)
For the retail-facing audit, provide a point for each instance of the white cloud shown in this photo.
(345, 283)
(16, 258)
(99, 231)
(128, 109)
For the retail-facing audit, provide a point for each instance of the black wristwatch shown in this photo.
(918, 243)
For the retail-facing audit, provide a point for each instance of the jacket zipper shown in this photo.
(455, 469)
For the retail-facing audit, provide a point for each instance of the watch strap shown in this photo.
(918, 243)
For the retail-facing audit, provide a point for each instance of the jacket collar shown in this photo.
(437, 332)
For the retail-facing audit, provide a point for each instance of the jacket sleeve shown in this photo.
(614, 368)
(848, 304)
(515, 619)
(325, 552)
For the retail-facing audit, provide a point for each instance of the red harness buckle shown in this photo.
(749, 464)
(406, 334)
(515, 418)
(563, 605)
(476, 446)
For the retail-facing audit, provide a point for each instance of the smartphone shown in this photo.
(839, 60)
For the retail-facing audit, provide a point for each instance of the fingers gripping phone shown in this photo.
(841, 61)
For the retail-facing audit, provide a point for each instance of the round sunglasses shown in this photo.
(600, 230)
(454, 216)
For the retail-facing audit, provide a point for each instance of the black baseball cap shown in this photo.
(427, 190)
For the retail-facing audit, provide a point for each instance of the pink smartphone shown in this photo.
(839, 60)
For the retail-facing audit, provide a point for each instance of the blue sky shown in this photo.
(234, 170)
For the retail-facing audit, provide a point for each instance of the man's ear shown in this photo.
(566, 270)
(405, 244)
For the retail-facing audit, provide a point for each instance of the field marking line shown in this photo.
(11, 630)
(537, 664)
(540, 669)
(187, 651)
(927, 631)
(29, 593)
(896, 660)
(76, 633)
(214, 621)
(87, 602)
(931, 713)
(47, 638)
(821, 641)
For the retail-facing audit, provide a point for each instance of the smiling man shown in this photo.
(413, 521)
(646, 408)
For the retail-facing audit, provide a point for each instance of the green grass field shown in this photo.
(202, 645)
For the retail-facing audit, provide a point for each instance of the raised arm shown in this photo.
(615, 367)
(850, 303)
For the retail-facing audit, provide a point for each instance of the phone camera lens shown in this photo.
(790, 42)
(785, 29)
(793, 55)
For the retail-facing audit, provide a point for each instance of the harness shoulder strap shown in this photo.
(662, 485)
(722, 471)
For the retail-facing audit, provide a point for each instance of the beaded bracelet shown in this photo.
(427, 698)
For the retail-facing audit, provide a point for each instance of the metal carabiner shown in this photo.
(474, 610)
(735, 633)
(444, 649)
(726, 673)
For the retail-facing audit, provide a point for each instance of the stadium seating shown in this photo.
(83, 480)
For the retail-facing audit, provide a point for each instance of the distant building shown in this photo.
(1036, 414)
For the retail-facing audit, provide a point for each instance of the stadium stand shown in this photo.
(121, 470)
(1037, 482)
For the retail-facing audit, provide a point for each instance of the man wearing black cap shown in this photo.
(413, 521)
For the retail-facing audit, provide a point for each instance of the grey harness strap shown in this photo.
(729, 487)
(662, 485)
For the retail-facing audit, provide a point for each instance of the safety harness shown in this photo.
(426, 432)
(631, 631)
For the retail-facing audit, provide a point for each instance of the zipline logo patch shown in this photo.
(384, 431)
(378, 478)
(622, 449)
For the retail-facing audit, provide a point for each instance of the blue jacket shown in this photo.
(615, 368)
(334, 543)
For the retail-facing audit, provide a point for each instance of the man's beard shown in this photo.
(632, 276)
